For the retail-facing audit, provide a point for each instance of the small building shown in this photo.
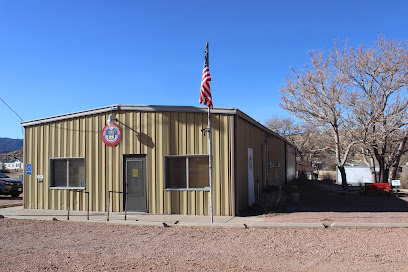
(357, 175)
(156, 155)
(306, 168)
(14, 165)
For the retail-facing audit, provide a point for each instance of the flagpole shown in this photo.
(210, 164)
(206, 99)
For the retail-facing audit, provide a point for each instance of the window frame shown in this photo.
(187, 188)
(67, 159)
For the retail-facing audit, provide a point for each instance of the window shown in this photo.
(67, 173)
(187, 172)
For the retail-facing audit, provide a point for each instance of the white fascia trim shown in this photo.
(128, 108)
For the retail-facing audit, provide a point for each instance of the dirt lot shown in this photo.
(71, 246)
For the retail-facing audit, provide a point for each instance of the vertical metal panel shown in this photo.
(182, 150)
(27, 160)
(64, 146)
(40, 156)
(174, 149)
(82, 153)
(198, 149)
(94, 156)
(90, 160)
(108, 173)
(151, 162)
(124, 121)
(215, 123)
(116, 171)
(232, 165)
(159, 164)
(35, 165)
(29, 180)
(166, 140)
(190, 139)
(103, 195)
(53, 145)
(225, 166)
(46, 154)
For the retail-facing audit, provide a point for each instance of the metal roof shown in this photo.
(152, 108)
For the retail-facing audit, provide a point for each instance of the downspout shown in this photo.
(267, 172)
(286, 162)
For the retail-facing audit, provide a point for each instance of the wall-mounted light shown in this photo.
(110, 120)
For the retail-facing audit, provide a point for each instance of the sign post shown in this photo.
(396, 183)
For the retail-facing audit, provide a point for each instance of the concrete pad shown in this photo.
(176, 220)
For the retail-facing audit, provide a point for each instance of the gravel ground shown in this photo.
(30, 245)
(6, 200)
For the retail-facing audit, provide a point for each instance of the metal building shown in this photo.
(158, 155)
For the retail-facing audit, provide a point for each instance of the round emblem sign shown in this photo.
(111, 135)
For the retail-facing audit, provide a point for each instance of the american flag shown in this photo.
(205, 94)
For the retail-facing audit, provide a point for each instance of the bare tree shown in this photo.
(318, 94)
(377, 78)
(310, 142)
(284, 126)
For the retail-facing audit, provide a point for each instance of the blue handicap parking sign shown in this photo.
(29, 169)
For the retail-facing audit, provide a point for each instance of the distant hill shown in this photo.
(7, 144)
(11, 155)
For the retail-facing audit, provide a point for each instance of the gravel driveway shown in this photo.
(30, 245)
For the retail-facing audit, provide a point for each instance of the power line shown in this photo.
(12, 109)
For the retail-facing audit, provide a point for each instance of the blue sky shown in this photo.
(64, 56)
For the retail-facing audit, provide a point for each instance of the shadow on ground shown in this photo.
(316, 196)
(8, 201)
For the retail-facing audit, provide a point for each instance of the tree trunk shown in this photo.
(395, 164)
(381, 166)
(371, 164)
(343, 178)
(381, 170)
(385, 176)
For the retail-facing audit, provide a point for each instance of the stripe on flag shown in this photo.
(205, 93)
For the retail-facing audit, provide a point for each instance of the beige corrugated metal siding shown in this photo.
(249, 136)
(277, 170)
(270, 161)
(155, 134)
